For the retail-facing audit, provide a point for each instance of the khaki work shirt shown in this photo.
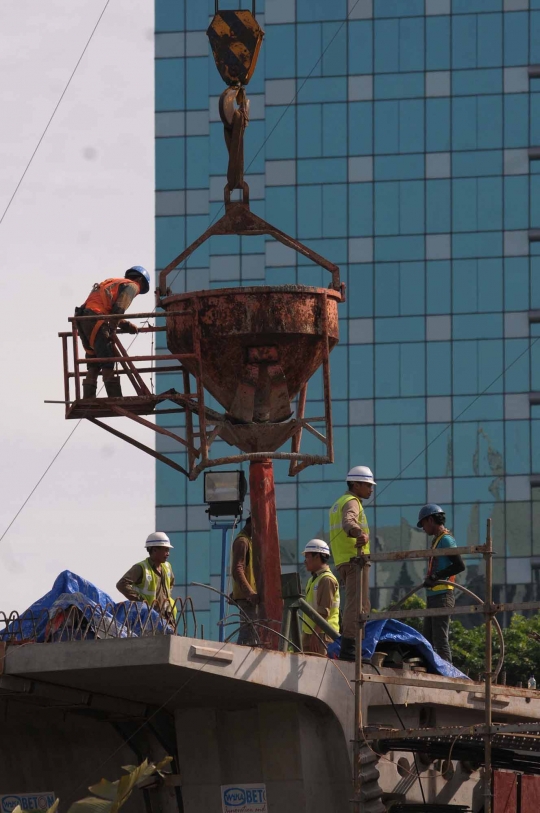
(349, 517)
(129, 581)
(240, 552)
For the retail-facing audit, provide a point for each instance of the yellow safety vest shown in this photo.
(431, 567)
(248, 570)
(344, 546)
(150, 582)
(311, 598)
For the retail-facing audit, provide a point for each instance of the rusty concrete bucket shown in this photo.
(257, 347)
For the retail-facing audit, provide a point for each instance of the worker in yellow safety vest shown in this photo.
(244, 592)
(349, 535)
(152, 579)
(432, 519)
(322, 593)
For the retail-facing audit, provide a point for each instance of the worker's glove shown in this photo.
(431, 581)
(127, 327)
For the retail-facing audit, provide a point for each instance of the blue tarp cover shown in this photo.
(377, 632)
(70, 590)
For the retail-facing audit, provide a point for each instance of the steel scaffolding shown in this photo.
(488, 609)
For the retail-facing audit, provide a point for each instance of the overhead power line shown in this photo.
(59, 102)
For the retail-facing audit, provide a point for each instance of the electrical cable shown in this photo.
(42, 477)
(241, 611)
(54, 112)
(56, 456)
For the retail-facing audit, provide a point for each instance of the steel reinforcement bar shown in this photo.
(84, 622)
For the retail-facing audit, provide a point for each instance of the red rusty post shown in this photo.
(266, 556)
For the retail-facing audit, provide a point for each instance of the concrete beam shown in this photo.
(165, 670)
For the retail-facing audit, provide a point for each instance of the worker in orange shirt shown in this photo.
(112, 296)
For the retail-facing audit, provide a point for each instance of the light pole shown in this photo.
(224, 493)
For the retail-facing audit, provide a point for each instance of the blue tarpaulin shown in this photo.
(102, 615)
(378, 632)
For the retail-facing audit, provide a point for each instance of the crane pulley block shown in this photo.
(235, 38)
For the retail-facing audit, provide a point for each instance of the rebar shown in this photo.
(83, 621)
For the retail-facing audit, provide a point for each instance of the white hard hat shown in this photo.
(316, 546)
(158, 540)
(361, 474)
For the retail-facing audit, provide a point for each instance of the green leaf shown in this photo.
(105, 789)
(110, 796)
(163, 764)
(91, 805)
(127, 783)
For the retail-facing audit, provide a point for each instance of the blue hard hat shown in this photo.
(428, 511)
(141, 275)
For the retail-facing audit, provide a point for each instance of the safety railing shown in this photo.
(84, 622)
(75, 365)
(203, 426)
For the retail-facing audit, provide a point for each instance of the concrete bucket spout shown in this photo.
(258, 347)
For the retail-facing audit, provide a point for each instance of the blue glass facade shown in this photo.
(405, 158)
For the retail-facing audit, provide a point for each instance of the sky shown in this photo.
(84, 212)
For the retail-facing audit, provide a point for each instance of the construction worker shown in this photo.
(349, 536)
(432, 520)
(322, 592)
(112, 296)
(152, 579)
(244, 592)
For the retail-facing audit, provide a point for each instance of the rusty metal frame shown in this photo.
(456, 731)
(197, 444)
(240, 220)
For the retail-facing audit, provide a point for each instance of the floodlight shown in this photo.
(224, 492)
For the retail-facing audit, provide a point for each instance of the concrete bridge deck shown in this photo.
(243, 715)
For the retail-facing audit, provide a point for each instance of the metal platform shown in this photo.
(109, 407)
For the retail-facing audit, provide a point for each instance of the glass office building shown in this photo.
(397, 138)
